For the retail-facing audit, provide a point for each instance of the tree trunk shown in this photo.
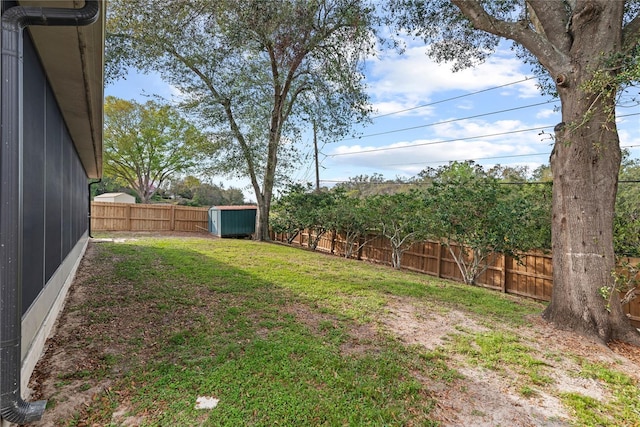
(573, 41)
(585, 164)
(396, 257)
(262, 221)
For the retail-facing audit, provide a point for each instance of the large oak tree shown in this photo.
(589, 48)
(146, 144)
(251, 70)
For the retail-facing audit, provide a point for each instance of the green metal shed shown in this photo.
(232, 221)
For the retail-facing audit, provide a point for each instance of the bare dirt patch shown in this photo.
(489, 398)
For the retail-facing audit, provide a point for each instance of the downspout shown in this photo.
(12, 407)
(89, 215)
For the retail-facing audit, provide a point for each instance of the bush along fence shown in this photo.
(529, 276)
(145, 217)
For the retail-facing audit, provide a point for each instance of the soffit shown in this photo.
(73, 60)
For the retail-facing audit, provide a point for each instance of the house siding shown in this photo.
(55, 184)
(55, 211)
(61, 90)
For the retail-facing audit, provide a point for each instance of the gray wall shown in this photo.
(55, 183)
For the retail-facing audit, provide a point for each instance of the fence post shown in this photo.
(503, 275)
(360, 248)
(424, 263)
(439, 260)
(172, 216)
(333, 242)
(128, 217)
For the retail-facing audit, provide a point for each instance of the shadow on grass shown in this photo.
(178, 319)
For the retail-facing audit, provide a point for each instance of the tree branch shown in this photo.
(553, 20)
(631, 34)
(553, 59)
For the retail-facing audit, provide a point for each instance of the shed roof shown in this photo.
(73, 59)
(234, 207)
(112, 195)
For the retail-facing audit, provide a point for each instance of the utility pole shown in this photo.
(315, 147)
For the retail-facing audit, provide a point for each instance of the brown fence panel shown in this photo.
(632, 309)
(433, 260)
(378, 250)
(134, 217)
(325, 242)
(493, 276)
(340, 245)
(110, 216)
(190, 219)
(530, 276)
(150, 218)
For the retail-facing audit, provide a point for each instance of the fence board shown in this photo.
(531, 275)
(133, 217)
(632, 309)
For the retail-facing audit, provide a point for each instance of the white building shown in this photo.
(115, 198)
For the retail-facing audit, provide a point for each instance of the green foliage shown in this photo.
(190, 191)
(146, 144)
(300, 208)
(458, 203)
(402, 218)
(625, 280)
(354, 218)
(364, 186)
(254, 72)
(475, 217)
(627, 217)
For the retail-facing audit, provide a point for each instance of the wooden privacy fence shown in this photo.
(531, 276)
(143, 217)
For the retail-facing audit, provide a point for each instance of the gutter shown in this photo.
(89, 216)
(14, 21)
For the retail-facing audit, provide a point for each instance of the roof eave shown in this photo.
(73, 60)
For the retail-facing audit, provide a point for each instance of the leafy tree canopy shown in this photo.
(403, 219)
(191, 191)
(253, 71)
(476, 217)
(145, 144)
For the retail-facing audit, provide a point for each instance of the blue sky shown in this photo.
(508, 122)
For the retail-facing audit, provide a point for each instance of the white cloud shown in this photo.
(419, 154)
(395, 106)
(546, 113)
(465, 105)
(413, 78)
(509, 131)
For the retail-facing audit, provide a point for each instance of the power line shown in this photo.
(454, 98)
(509, 156)
(438, 142)
(482, 158)
(457, 139)
(472, 160)
(449, 121)
(335, 181)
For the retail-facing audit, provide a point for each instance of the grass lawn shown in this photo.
(282, 336)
